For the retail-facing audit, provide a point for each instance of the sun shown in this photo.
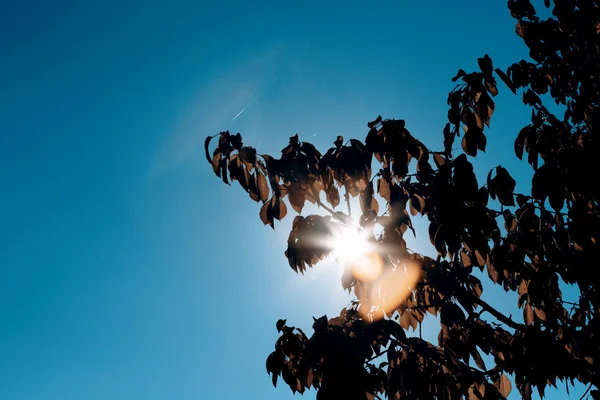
(352, 248)
(349, 244)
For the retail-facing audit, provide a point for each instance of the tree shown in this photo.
(529, 243)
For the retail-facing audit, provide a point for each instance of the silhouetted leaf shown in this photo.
(477, 358)
(521, 28)
(530, 98)
(297, 196)
(248, 154)
(266, 216)
(503, 186)
(383, 188)
(366, 198)
(503, 385)
(281, 209)
(280, 324)
(459, 75)
(333, 196)
(373, 123)
(521, 200)
(485, 64)
(407, 319)
(263, 188)
(206, 144)
(528, 314)
(439, 160)
(506, 80)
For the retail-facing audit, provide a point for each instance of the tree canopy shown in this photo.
(531, 243)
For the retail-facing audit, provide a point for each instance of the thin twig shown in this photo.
(376, 356)
(329, 210)
(586, 392)
(347, 196)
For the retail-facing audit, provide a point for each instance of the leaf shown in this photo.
(459, 75)
(408, 319)
(236, 141)
(417, 203)
(333, 196)
(523, 287)
(492, 88)
(503, 385)
(375, 206)
(506, 80)
(309, 377)
(477, 358)
(476, 286)
(366, 198)
(263, 187)
(280, 324)
(521, 28)
(223, 165)
(451, 315)
(373, 123)
(528, 314)
(438, 159)
(274, 364)
(520, 142)
(474, 392)
(510, 223)
(248, 154)
(452, 356)
(530, 98)
(485, 64)
(215, 164)
(281, 210)
(394, 329)
(207, 153)
(383, 188)
(479, 257)
(526, 391)
(466, 260)
(503, 186)
(522, 199)
(493, 273)
(413, 210)
(297, 196)
(265, 213)
(540, 313)
(473, 140)
(469, 146)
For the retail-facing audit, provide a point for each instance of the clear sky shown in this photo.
(127, 270)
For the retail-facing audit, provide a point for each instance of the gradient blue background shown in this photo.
(127, 270)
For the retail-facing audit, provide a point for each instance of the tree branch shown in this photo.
(334, 214)
(497, 314)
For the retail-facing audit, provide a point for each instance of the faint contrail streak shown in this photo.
(244, 109)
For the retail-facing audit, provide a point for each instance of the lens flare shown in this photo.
(389, 290)
(380, 290)
(368, 267)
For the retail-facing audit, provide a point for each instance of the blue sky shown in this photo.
(127, 270)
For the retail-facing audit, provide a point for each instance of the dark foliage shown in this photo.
(528, 243)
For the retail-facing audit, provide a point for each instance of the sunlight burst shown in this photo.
(351, 247)
(350, 244)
